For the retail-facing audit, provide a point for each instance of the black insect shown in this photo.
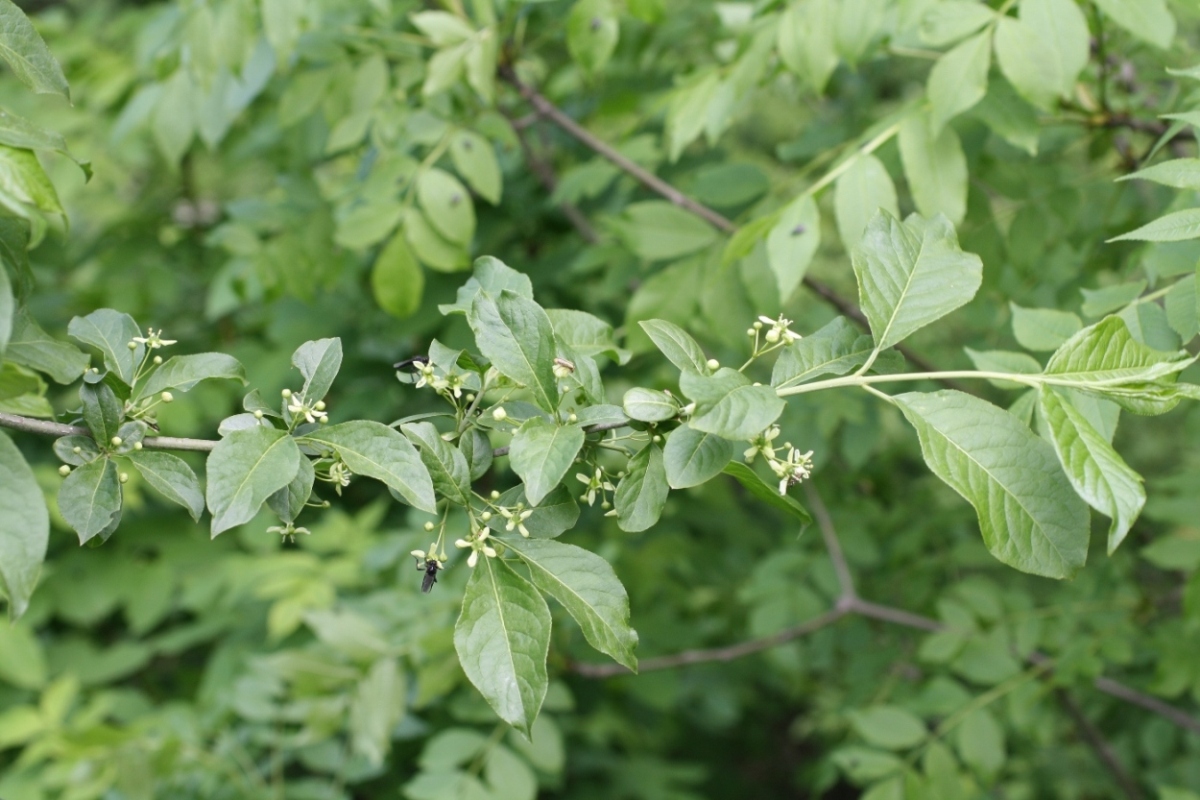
(431, 567)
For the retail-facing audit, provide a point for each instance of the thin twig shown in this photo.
(57, 429)
(847, 594)
(547, 109)
(545, 175)
(1099, 745)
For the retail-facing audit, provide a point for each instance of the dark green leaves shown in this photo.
(692, 457)
(90, 498)
(642, 493)
(542, 453)
(101, 411)
(30, 346)
(446, 464)
(502, 638)
(911, 273)
(319, 362)
(1099, 475)
(397, 281)
(588, 588)
(1030, 517)
(111, 332)
(728, 405)
(7, 310)
(515, 334)
(766, 493)
(247, 467)
(377, 451)
(26, 53)
(592, 32)
(24, 528)
(172, 477)
(184, 372)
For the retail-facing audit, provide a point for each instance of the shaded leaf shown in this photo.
(642, 493)
(90, 498)
(728, 405)
(171, 477)
(377, 451)
(692, 457)
(24, 528)
(244, 469)
(542, 453)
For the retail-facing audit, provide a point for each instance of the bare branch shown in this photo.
(847, 596)
(1099, 745)
(56, 429)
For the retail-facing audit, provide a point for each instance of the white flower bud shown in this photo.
(117, 441)
(572, 418)
(712, 363)
(429, 526)
(258, 414)
(137, 445)
(286, 393)
(167, 397)
(76, 450)
(499, 414)
(133, 345)
(64, 470)
(124, 477)
(157, 360)
(772, 335)
(485, 516)
(320, 406)
(495, 495)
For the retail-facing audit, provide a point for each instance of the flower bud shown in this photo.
(258, 414)
(657, 439)
(495, 495)
(772, 335)
(157, 360)
(286, 393)
(133, 345)
(320, 406)
(124, 477)
(117, 441)
(167, 397)
(749, 331)
(485, 516)
(499, 414)
(712, 363)
(76, 450)
(757, 326)
(64, 470)
(137, 445)
(323, 420)
(572, 418)
(428, 526)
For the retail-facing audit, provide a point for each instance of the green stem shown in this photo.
(880, 140)
(866, 380)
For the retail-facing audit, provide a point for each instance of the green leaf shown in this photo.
(910, 274)
(24, 663)
(692, 457)
(980, 741)
(26, 54)
(446, 464)
(376, 707)
(764, 493)
(889, 727)
(657, 230)
(649, 405)
(951, 20)
(588, 589)
(514, 333)
(244, 469)
(477, 450)
(490, 275)
(502, 638)
(592, 33)
(936, 168)
(1029, 515)
(397, 282)
(542, 453)
(863, 764)
(1027, 62)
(728, 405)
(64, 448)
(861, 191)
(676, 344)
(1149, 20)
(19, 132)
(792, 243)
(1174, 227)
(171, 477)
(959, 79)
(806, 41)
(102, 411)
(1007, 115)
(834, 349)
(588, 335)
(1181, 302)
(1098, 302)
(90, 498)
(430, 247)
(1099, 475)
(319, 362)
(377, 451)
(24, 528)
(475, 161)
(1179, 173)
(442, 28)
(1043, 329)
(288, 502)
(447, 205)
(1004, 361)
(1105, 354)
(184, 372)
(110, 332)
(30, 346)
(687, 112)
(553, 516)
(7, 311)
(642, 493)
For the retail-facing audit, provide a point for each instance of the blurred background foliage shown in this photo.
(254, 188)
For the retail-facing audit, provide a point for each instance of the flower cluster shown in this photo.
(431, 554)
(288, 531)
(450, 385)
(298, 406)
(596, 484)
(153, 339)
(516, 517)
(778, 330)
(478, 542)
(790, 470)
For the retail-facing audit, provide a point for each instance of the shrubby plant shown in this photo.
(522, 417)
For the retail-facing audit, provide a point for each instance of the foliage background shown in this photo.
(247, 157)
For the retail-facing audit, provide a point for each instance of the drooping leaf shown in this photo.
(806, 41)
(1100, 476)
(692, 457)
(31, 347)
(765, 493)
(834, 349)
(244, 469)
(911, 273)
(1105, 354)
(111, 332)
(477, 450)
(542, 454)
(377, 451)
(446, 464)
(447, 205)
(861, 191)
(26, 54)
(184, 372)
(959, 79)
(588, 588)
(592, 33)
(288, 502)
(676, 344)
(90, 498)
(475, 161)
(935, 166)
(1030, 517)
(102, 411)
(319, 362)
(792, 243)
(1043, 329)
(397, 282)
(729, 405)
(502, 638)
(172, 477)
(1149, 20)
(24, 528)
(514, 333)
(642, 493)
(980, 741)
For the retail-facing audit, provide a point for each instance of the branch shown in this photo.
(1099, 746)
(547, 109)
(56, 429)
(545, 175)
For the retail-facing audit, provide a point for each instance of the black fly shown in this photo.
(431, 567)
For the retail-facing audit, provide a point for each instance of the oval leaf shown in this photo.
(541, 453)
(377, 451)
(244, 469)
(24, 528)
(693, 457)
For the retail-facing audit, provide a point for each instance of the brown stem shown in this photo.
(56, 429)
(1099, 745)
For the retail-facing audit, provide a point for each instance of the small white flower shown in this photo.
(473, 559)
(153, 339)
